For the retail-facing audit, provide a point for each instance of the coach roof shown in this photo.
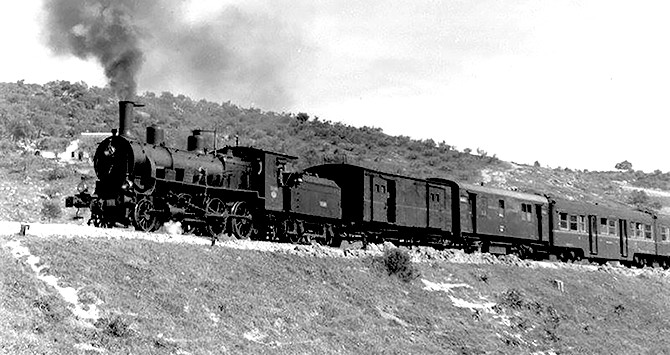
(507, 193)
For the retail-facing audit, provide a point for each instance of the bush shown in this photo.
(398, 262)
(116, 326)
(512, 299)
(52, 191)
(51, 209)
(57, 173)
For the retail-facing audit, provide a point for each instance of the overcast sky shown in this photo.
(579, 84)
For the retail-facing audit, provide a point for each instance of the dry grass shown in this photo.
(162, 299)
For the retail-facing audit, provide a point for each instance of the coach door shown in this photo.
(538, 217)
(380, 199)
(472, 204)
(593, 234)
(623, 237)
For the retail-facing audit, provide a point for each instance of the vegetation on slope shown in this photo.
(51, 115)
(166, 298)
(59, 111)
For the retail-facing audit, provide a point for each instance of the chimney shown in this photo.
(126, 117)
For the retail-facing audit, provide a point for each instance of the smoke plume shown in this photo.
(245, 57)
(103, 30)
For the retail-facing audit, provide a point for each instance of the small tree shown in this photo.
(624, 165)
(641, 200)
(398, 262)
(302, 117)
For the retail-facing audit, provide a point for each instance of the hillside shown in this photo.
(50, 116)
(87, 291)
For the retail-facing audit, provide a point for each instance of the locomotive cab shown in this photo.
(264, 173)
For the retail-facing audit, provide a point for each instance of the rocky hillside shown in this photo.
(50, 117)
(79, 290)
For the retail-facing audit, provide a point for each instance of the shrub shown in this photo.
(512, 299)
(116, 326)
(52, 191)
(51, 209)
(398, 262)
(51, 307)
(57, 173)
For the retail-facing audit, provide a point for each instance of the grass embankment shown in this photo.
(168, 299)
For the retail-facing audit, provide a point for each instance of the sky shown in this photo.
(578, 84)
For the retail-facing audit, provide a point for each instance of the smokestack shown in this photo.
(126, 117)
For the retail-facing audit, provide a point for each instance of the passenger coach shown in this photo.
(399, 208)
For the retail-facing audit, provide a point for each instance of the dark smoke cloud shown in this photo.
(104, 30)
(246, 57)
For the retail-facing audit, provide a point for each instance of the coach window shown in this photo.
(501, 208)
(563, 221)
(526, 212)
(665, 232)
(603, 226)
(581, 223)
(612, 227)
(484, 207)
(647, 231)
(638, 230)
(573, 222)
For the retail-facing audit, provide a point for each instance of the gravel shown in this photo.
(171, 234)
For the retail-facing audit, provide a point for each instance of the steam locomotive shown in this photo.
(246, 192)
(240, 190)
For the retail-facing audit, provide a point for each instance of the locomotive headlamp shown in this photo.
(127, 185)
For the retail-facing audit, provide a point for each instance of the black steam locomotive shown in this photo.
(239, 190)
(247, 192)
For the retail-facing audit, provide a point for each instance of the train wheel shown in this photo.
(184, 200)
(216, 227)
(243, 227)
(274, 231)
(100, 222)
(333, 239)
(293, 231)
(144, 216)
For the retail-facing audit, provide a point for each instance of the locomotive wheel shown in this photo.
(100, 222)
(144, 216)
(332, 237)
(218, 207)
(243, 228)
(184, 200)
(274, 231)
(296, 232)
